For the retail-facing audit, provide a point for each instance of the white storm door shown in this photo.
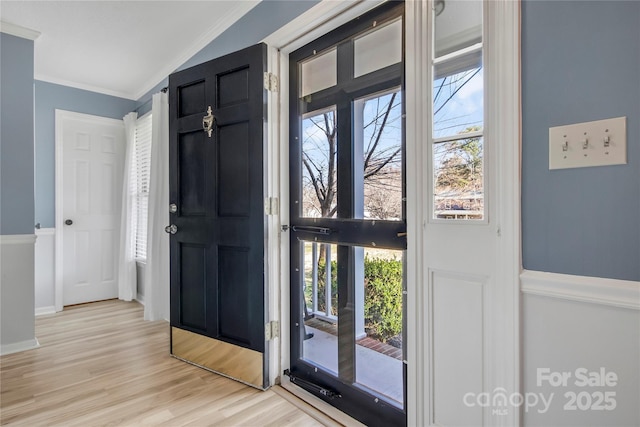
(92, 159)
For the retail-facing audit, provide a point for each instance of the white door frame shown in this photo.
(60, 117)
(502, 94)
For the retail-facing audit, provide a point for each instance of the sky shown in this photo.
(464, 109)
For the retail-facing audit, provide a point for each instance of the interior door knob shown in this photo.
(173, 229)
(68, 222)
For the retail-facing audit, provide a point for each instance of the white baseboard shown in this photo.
(41, 311)
(19, 346)
(140, 298)
(596, 290)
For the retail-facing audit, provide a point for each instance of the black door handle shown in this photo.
(313, 230)
(68, 222)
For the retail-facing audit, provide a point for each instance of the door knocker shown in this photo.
(208, 121)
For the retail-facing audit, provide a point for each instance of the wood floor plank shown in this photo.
(101, 364)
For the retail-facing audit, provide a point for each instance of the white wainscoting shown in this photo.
(457, 331)
(574, 322)
(45, 271)
(17, 321)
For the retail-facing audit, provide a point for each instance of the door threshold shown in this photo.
(322, 411)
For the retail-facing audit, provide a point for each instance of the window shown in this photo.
(458, 114)
(140, 174)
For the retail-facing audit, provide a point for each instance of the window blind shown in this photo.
(140, 185)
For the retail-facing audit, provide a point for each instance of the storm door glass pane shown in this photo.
(320, 305)
(378, 49)
(378, 154)
(319, 72)
(379, 283)
(319, 165)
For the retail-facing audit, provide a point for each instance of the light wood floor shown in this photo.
(101, 364)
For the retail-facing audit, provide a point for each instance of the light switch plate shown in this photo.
(598, 143)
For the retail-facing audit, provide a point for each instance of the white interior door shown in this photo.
(91, 155)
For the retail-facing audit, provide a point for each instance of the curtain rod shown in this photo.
(163, 90)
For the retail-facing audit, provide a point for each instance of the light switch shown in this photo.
(598, 143)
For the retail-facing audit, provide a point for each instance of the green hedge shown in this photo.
(383, 295)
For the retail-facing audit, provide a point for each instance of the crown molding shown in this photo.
(82, 86)
(18, 31)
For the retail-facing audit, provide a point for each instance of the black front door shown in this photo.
(217, 114)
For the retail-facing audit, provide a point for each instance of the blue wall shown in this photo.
(264, 19)
(50, 97)
(580, 62)
(16, 135)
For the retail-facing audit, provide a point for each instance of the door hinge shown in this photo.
(270, 82)
(271, 206)
(271, 330)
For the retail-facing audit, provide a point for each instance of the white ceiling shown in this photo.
(120, 48)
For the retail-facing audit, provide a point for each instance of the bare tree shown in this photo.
(383, 195)
(381, 160)
(319, 157)
(459, 177)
